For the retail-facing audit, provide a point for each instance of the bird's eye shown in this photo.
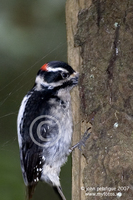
(64, 75)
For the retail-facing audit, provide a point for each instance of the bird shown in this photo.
(45, 126)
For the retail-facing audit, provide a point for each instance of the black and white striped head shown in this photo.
(56, 74)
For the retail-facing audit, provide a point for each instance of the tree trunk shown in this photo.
(100, 47)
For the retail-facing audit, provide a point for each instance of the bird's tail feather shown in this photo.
(30, 191)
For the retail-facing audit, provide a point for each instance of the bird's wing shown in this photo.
(35, 149)
(34, 143)
(32, 163)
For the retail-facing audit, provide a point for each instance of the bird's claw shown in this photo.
(82, 141)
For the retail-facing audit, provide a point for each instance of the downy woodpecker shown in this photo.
(44, 125)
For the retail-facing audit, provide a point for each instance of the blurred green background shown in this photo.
(31, 33)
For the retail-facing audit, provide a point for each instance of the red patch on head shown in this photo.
(45, 67)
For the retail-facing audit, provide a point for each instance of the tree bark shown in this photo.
(100, 47)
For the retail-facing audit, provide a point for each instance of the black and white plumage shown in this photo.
(45, 125)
